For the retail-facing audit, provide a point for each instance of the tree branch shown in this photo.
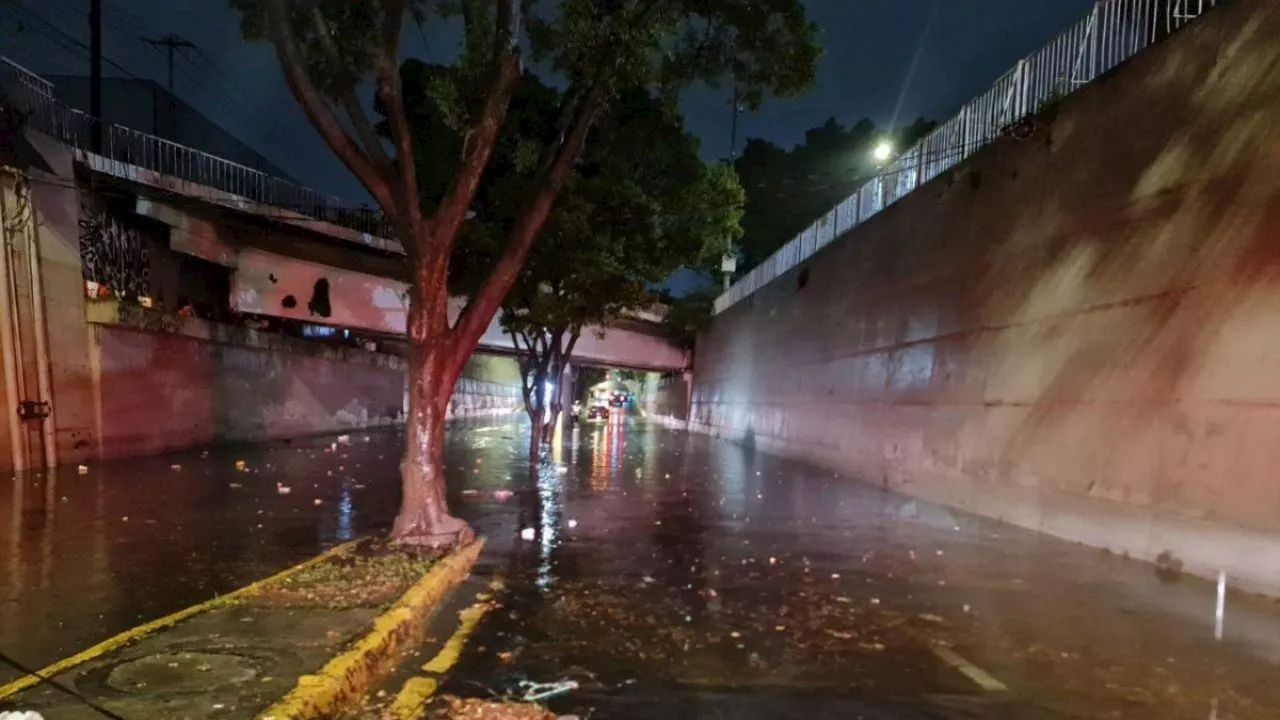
(313, 104)
(484, 132)
(573, 341)
(350, 102)
(481, 307)
(391, 92)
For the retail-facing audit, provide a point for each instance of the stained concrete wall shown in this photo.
(490, 385)
(666, 396)
(146, 383)
(162, 391)
(1077, 332)
(56, 200)
(209, 383)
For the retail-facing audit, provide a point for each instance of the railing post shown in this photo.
(1024, 89)
(1095, 39)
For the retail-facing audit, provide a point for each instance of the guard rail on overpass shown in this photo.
(33, 95)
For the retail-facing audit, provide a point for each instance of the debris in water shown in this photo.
(541, 691)
(528, 533)
(240, 465)
(477, 709)
(83, 469)
(283, 489)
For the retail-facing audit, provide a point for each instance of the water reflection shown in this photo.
(89, 555)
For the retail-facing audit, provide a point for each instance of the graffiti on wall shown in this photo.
(115, 251)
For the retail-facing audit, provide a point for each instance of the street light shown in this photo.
(883, 151)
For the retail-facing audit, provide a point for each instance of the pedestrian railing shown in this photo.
(33, 96)
(1113, 32)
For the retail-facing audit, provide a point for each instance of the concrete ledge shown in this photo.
(143, 176)
(1250, 558)
(350, 675)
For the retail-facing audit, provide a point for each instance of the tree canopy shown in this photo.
(595, 49)
(641, 204)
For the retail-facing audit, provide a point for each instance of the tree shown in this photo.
(327, 48)
(642, 204)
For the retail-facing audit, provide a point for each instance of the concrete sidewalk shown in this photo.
(286, 648)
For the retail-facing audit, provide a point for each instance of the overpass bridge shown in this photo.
(281, 286)
(112, 231)
(283, 243)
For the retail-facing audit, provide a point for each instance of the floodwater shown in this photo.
(669, 575)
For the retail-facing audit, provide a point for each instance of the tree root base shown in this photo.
(450, 533)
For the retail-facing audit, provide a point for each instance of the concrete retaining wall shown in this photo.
(162, 391)
(1077, 332)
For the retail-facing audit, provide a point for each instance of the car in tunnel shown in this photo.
(597, 413)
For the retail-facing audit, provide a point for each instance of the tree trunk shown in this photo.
(560, 359)
(424, 517)
(537, 410)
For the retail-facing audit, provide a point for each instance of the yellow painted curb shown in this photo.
(141, 631)
(348, 676)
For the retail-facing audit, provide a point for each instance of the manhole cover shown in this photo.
(181, 672)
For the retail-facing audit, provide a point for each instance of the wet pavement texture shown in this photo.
(669, 575)
(86, 556)
(674, 575)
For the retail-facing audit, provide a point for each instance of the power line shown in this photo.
(171, 43)
(204, 74)
(62, 37)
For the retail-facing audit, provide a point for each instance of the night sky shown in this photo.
(956, 49)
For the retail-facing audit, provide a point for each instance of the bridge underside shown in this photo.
(280, 286)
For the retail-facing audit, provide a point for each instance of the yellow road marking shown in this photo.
(411, 701)
(467, 621)
(141, 631)
(971, 671)
(347, 676)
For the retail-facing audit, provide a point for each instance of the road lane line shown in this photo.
(411, 702)
(971, 671)
(452, 650)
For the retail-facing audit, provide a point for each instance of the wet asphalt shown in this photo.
(666, 574)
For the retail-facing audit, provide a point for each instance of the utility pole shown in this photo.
(95, 72)
(170, 43)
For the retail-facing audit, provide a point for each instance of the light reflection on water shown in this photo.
(346, 515)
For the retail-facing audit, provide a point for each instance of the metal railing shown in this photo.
(33, 95)
(1113, 32)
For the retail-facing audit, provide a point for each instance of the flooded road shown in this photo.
(86, 556)
(673, 575)
(669, 575)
